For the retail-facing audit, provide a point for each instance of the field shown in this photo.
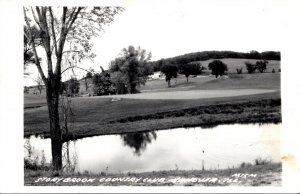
(238, 98)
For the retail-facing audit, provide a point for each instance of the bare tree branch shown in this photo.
(72, 67)
(37, 62)
(35, 18)
(69, 25)
(63, 34)
(53, 31)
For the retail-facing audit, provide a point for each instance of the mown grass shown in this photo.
(234, 81)
(94, 116)
(100, 116)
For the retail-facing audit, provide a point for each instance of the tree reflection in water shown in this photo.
(70, 160)
(138, 141)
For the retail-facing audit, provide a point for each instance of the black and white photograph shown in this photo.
(154, 94)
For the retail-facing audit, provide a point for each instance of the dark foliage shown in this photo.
(251, 68)
(191, 69)
(261, 65)
(103, 84)
(217, 68)
(170, 71)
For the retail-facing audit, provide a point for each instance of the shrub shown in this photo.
(250, 67)
(239, 71)
(261, 161)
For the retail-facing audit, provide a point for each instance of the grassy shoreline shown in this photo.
(261, 110)
(251, 175)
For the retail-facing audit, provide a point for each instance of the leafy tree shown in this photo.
(170, 71)
(73, 86)
(217, 68)
(261, 65)
(132, 67)
(27, 49)
(119, 80)
(191, 69)
(103, 84)
(56, 28)
(250, 67)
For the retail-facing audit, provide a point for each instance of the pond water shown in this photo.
(221, 147)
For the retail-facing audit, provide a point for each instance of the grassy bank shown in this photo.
(268, 174)
(102, 116)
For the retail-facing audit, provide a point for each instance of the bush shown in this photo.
(239, 71)
(261, 161)
(251, 68)
(245, 164)
(103, 84)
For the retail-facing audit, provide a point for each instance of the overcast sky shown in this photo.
(168, 29)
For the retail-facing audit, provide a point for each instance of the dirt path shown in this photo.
(192, 94)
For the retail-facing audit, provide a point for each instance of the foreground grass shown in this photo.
(251, 175)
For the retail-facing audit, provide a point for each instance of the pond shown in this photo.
(221, 147)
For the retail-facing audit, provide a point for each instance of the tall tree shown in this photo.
(56, 28)
(133, 67)
(170, 71)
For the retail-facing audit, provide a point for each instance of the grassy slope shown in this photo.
(235, 81)
(240, 63)
(100, 116)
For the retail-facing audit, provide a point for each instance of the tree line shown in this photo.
(206, 55)
(130, 70)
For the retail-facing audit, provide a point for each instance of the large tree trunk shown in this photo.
(55, 131)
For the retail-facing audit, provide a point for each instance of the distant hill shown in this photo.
(206, 55)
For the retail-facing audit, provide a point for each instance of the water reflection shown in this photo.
(138, 141)
(183, 149)
(70, 159)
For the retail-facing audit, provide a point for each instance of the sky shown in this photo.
(171, 28)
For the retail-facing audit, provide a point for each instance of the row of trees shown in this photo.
(217, 67)
(131, 70)
(206, 55)
(261, 66)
